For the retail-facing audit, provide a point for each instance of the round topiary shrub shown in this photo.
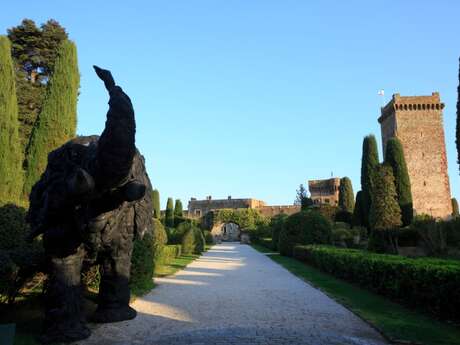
(306, 227)
(160, 238)
(200, 242)
(189, 242)
(142, 267)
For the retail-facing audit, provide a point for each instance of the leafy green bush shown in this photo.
(142, 264)
(327, 211)
(175, 235)
(305, 227)
(276, 224)
(266, 242)
(160, 239)
(431, 284)
(208, 237)
(189, 242)
(432, 235)
(200, 241)
(342, 237)
(168, 254)
(20, 260)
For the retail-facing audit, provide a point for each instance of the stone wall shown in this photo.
(198, 208)
(418, 123)
(271, 211)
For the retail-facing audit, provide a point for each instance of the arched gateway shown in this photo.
(229, 231)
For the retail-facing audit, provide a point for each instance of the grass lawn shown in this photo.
(396, 322)
(175, 265)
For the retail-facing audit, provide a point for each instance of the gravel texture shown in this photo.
(236, 295)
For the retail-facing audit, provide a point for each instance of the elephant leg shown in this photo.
(64, 316)
(114, 292)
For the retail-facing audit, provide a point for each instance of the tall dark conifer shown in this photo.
(57, 121)
(457, 139)
(385, 213)
(346, 195)
(394, 157)
(357, 212)
(178, 209)
(156, 204)
(169, 214)
(369, 165)
(11, 175)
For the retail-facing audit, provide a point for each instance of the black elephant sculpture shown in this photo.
(90, 202)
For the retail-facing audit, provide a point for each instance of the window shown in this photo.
(326, 201)
(198, 212)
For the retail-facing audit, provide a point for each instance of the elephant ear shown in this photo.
(143, 208)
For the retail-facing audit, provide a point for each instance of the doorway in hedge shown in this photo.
(230, 232)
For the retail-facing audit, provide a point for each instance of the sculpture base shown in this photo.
(65, 335)
(113, 315)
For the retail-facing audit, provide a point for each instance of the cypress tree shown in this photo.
(346, 195)
(369, 164)
(454, 208)
(357, 212)
(394, 157)
(169, 215)
(156, 204)
(457, 138)
(385, 212)
(57, 121)
(11, 175)
(178, 210)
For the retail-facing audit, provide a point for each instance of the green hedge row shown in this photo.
(168, 254)
(428, 283)
(267, 242)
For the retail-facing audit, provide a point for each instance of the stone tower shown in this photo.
(417, 122)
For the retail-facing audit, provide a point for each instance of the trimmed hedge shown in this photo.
(266, 242)
(19, 259)
(305, 227)
(193, 241)
(168, 254)
(428, 283)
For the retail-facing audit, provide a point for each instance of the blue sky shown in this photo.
(252, 98)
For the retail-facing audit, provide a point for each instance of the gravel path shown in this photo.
(236, 295)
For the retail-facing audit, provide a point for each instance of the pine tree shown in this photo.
(34, 52)
(11, 175)
(178, 209)
(369, 164)
(156, 204)
(385, 213)
(346, 195)
(455, 212)
(58, 118)
(357, 212)
(394, 157)
(169, 215)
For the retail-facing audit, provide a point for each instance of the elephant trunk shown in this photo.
(116, 145)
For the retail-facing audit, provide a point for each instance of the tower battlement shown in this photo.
(417, 121)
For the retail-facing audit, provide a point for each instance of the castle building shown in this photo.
(417, 121)
(199, 208)
(325, 191)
